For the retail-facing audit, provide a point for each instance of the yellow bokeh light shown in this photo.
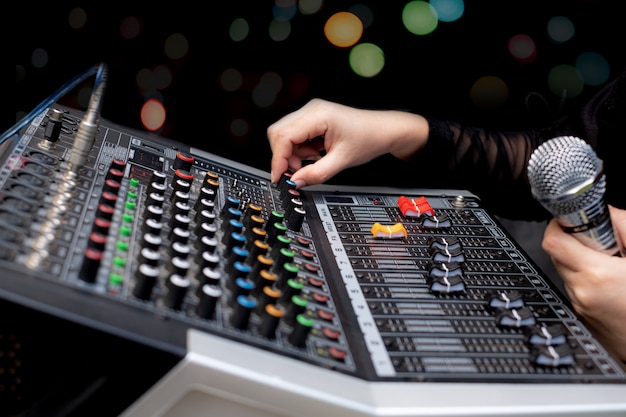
(343, 29)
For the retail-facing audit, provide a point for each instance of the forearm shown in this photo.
(492, 164)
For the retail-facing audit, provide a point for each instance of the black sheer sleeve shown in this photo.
(492, 164)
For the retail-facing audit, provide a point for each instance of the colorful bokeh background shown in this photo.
(216, 74)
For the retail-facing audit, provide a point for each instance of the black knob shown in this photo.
(177, 287)
(208, 297)
(146, 277)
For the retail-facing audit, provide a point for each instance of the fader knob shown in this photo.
(206, 244)
(295, 307)
(208, 275)
(208, 298)
(296, 218)
(146, 277)
(264, 279)
(205, 200)
(208, 259)
(241, 312)
(257, 248)
(112, 186)
(301, 328)
(152, 226)
(183, 161)
(205, 216)
(286, 272)
(180, 187)
(153, 212)
(114, 174)
(179, 266)
(179, 249)
(105, 211)
(184, 175)
(241, 286)
(231, 202)
(267, 296)
(149, 256)
(179, 235)
(291, 288)
(91, 263)
(158, 177)
(206, 230)
(252, 210)
(157, 187)
(177, 287)
(118, 164)
(271, 316)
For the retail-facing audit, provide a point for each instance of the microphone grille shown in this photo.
(566, 175)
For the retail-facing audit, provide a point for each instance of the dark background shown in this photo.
(430, 73)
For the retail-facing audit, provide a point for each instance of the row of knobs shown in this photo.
(230, 253)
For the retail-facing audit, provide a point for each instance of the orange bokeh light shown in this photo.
(343, 29)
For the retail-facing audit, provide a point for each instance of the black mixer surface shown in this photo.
(361, 301)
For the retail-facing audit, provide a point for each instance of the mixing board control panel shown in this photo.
(151, 240)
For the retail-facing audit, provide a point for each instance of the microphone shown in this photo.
(567, 178)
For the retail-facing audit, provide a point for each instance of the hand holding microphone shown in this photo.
(567, 178)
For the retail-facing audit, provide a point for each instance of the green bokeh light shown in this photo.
(366, 59)
(419, 17)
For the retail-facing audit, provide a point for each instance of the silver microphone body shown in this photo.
(567, 178)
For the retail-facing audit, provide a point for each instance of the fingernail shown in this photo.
(300, 183)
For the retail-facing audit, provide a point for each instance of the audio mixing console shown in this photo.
(341, 300)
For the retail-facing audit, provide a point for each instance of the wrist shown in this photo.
(411, 135)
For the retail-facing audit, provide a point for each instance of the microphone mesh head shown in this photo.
(566, 175)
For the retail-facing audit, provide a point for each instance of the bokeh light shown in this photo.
(308, 7)
(284, 10)
(364, 13)
(239, 29)
(593, 67)
(560, 29)
(39, 58)
(367, 60)
(145, 80)
(279, 30)
(231, 79)
(419, 17)
(131, 27)
(522, 48)
(343, 29)
(448, 10)
(176, 46)
(239, 127)
(267, 89)
(489, 93)
(565, 81)
(152, 114)
(77, 18)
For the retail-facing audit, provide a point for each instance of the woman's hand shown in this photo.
(337, 137)
(594, 281)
